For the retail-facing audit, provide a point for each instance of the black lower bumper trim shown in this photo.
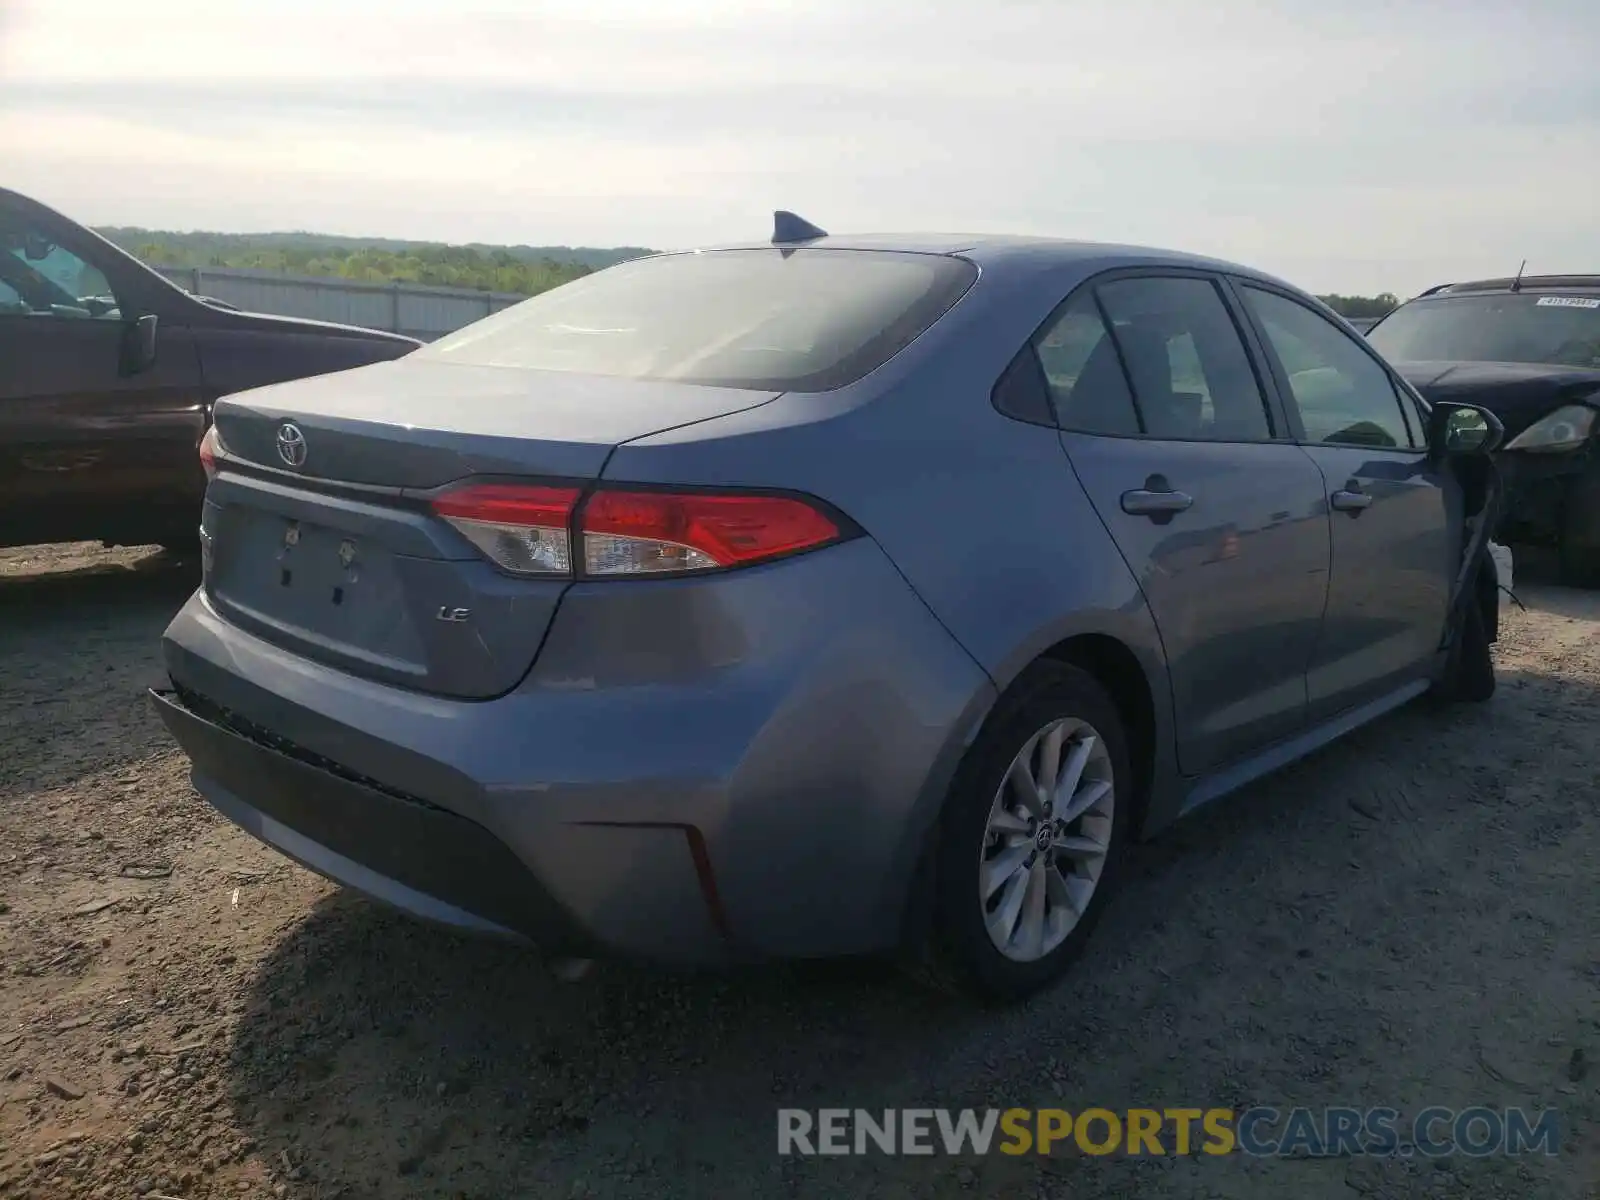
(403, 838)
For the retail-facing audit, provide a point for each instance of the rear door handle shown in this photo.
(1351, 499)
(1156, 500)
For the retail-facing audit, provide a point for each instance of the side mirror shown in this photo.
(1463, 430)
(139, 345)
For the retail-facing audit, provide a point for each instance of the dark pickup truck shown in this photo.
(107, 377)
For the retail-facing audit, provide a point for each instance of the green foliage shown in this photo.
(525, 270)
(1362, 306)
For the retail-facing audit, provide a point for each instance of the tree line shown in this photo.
(526, 270)
(1362, 306)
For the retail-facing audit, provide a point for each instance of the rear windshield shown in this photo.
(803, 320)
(1557, 330)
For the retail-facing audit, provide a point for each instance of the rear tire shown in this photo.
(1023, 868)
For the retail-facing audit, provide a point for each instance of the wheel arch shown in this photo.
(1117, 669)
(1125, 680)
(1109, 650)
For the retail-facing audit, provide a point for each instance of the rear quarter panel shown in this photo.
(982, 514)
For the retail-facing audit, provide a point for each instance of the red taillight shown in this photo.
(527, 529)
(640, 533)
(522, 528)
(208, 452)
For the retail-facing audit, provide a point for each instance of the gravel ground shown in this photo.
(1410, 918)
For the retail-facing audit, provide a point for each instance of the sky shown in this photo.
(1351, 146)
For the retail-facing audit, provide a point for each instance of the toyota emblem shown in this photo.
(291, 444)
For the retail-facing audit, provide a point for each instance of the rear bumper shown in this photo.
(401, 849)
(694, 771)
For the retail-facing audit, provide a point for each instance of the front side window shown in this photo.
(1343, 396)
(1553, 330)
(41, 279)
(1191, 376)
(800, 320)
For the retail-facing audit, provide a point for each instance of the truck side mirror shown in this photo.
(138, 345)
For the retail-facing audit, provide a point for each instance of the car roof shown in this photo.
(1013, 250)
(1526, 283)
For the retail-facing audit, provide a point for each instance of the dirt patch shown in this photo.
(1409, 918)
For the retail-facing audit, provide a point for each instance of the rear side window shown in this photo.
(1191, 376)
(1083, 372)
(798, 320)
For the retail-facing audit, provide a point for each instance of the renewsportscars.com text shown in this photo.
(1258, 1132)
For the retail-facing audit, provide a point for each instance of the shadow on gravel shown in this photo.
(394, 1059)
(385, 1058)
(71, 593)
(78, 648)
(1579, 605)
(379, 1058)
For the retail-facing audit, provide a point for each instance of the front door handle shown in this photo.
(1156, 500)
(1351, 499)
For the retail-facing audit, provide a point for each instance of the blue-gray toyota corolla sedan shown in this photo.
(817, 597)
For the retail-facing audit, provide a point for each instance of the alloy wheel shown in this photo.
(1047, 838)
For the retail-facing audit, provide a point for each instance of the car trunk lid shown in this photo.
(416, 424)
(320, 534)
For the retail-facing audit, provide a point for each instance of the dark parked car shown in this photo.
(107, 377)
(1529, 350)
(819, 598)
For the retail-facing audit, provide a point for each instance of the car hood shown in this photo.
(1518, 393)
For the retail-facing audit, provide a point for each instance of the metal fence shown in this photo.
(419, 310)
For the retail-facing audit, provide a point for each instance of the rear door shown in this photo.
(1216, 510)
(1395, 545)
